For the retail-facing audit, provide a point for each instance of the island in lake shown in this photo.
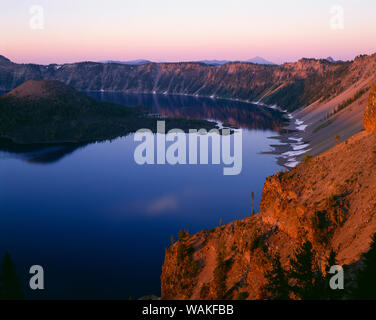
(49, 111)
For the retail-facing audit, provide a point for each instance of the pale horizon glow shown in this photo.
(170, 30)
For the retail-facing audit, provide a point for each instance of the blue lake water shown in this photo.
(99, 223)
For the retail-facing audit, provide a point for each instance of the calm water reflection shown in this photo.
(234, 113)
(99, 224)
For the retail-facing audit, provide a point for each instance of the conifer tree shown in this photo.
(305, 276)
(277, 287)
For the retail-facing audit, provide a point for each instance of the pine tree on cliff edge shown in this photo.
(305, 275)
(277, 287)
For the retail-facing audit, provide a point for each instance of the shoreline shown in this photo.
(292, 147)
(289, 153)
(258, 103)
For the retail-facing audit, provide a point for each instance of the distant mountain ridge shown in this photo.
(137, 62)
(290, 85)
(259, 60)
(4, 59)
(255, 60)
(334, 61)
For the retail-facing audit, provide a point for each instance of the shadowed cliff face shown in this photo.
(329, 200)
(370, 113)
(291, 85)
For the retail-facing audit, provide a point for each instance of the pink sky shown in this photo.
(183, 31)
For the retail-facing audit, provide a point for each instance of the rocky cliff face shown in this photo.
(370, 113)
(291, 85)
(329, 200)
